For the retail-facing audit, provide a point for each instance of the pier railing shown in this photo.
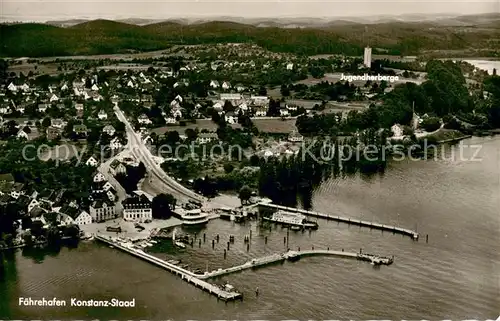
(384, 227)
(186, 275)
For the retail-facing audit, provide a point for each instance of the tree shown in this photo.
(285, 91)
(228, 168)
(431, 124)
(163, 205)
(245, 194)
(262, 91)
(46, 122)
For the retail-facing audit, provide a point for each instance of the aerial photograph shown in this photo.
(249, 160)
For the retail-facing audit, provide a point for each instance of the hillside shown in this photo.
(106, 37)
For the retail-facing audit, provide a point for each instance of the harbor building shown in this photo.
(137, 208)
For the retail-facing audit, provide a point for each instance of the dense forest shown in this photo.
(107, 37)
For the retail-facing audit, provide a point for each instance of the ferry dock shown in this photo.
(188, 276)
(384, 227)
(229, 295)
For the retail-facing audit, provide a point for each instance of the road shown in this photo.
(141, 152)
(120, 191)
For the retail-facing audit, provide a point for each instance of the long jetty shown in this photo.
(384, 227)
(291, 255)
(190, 277)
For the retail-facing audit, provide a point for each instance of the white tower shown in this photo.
(367, 60)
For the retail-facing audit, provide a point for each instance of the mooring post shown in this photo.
(250, 233)
(427, 238)
(248, 247)
(312, 247)
(225, 254)
(204, 237)
(360, 250)
(192, 242)
(199, 243)
(265, 240)
(298, 249)
(213, 244)
(228, 245)
(284, 240)
(217, 238)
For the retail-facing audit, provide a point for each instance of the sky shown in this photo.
(43, 10)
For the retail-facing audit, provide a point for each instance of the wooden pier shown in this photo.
(190, 277)
(384, 227)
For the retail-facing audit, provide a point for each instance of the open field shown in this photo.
(207, 124)
(275, 126)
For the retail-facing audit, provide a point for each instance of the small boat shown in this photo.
(111, 247)
(153, 242)
(180, 244)
(184, 266)
(295, 228)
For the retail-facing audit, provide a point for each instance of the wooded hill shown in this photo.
(108, 37)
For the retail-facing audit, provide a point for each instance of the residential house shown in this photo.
(4, 109)
(12, 87)
(214, 84)
(79, 108)
(284, 112)
(295, 137)
(102, 210)
(291, 107)
(218, 106)
(57, 123)
(21, 108)
(176, 113)
(33, 203)
(289, 66)
(116, 143)
(37, 214)
(42, 108)
(116, 167)
(205, 138)
(231, 117)
(397, 131)
(28, 133)
(226, 85)
(92, 161)
(53, 133)
(137, 208)
(170, 120)
(80, 130)
(260, 112)
(17, 190)
(175, 104)
(54, 98)
(109, 130)
(144, 120)
(102, 115)
(99, 177)
(83, 218)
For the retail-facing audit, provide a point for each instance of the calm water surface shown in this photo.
(454, 276)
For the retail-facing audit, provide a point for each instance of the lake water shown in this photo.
(456, 275)
(487, 65)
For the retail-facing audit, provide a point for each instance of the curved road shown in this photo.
(139, 150)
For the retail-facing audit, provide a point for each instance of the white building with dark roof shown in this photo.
(137, 208)
(102, 210)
